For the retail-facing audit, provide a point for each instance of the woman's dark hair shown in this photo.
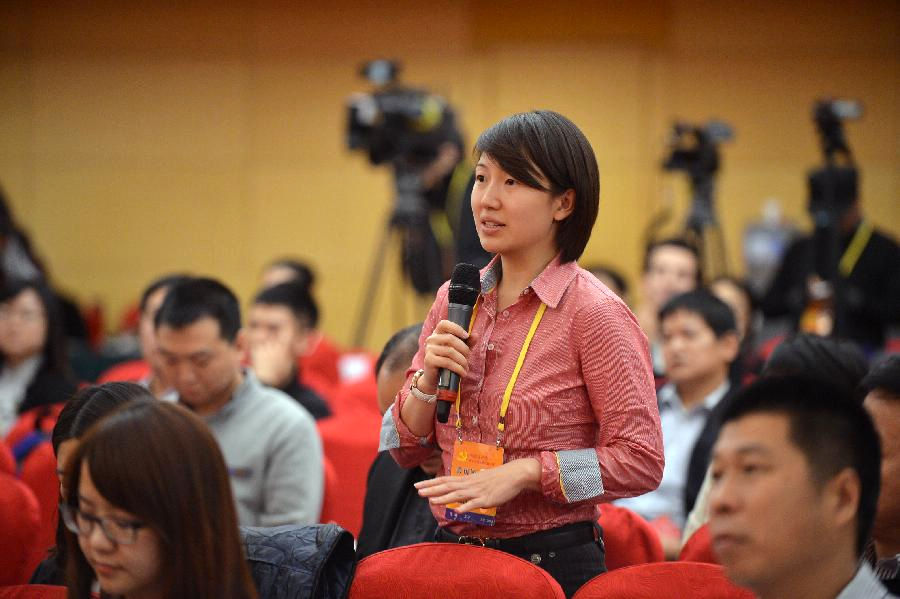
(839, 362)
(54, 351)
(161, 463)
(545, 144)
(303, 274)
(80, 413)
(884, 377)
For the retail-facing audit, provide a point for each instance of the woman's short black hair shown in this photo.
(545, 144)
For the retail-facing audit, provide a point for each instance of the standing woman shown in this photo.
(556, 382)
(149, 509)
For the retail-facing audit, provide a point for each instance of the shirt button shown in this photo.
(474, 419)
(491, 346)
(506, 313)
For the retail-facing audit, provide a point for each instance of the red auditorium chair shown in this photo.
(38, 471)
(20, 519)
(698, 547)
(130, 372)
(628, 538)
(7, 461)
(359, 396)
(33, 591)
(332, 491)
(430, 570)
(38, 419)
(663, 579)
(350, 442)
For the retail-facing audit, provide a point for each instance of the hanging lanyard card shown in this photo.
(468, 458)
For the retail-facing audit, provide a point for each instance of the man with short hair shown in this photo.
(394, 514)
(795, 481)
(882, 386)
(699, 341)
(271, 445)
(279, 325)
(671, 267)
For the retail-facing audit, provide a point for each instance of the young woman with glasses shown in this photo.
(149, 503)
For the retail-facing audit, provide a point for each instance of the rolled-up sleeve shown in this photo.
(627, 458)
(406, 448)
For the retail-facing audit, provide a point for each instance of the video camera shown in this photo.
(833, 188)
(398, 124)
(695, 150)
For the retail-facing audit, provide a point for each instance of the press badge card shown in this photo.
(468, 458)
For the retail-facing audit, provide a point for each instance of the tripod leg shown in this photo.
(367, 301)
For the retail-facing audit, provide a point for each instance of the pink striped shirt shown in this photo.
(584, 404)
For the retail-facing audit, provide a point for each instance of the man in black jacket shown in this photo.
(394, 514)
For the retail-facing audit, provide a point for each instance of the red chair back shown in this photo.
(20, 519)
(430, 570)
(629, 539)
(350, 442)
(7, 461)
(33, 591)
(332, 492)
(42, 418)
(39, 473)
(663, 579)
(698, 547)
(130, 372)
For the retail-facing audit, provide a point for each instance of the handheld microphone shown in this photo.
(465, 285)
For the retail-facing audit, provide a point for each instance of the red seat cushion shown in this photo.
(431, 570)
(698, 547)
(20, 519)
(663, 579)
(629, 539)
(33, 591)
(38, 471)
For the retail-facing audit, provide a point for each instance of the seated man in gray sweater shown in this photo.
(271, 445)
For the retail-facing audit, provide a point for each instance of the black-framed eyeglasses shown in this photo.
(122, 532)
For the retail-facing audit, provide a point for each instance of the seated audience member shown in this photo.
(150, 512)
(795, 481)
(612, 279)
(147, 371)
(671, 266)
(882, 386)
(839, 363)
(393, 512)
(739, 297)
(34, 370)
(278, 332)
(320, 361)
(271, 445)
(699, 343)
(79, 414)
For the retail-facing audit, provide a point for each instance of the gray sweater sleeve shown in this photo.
(293, 480)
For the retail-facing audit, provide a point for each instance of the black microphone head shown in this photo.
(465, 284)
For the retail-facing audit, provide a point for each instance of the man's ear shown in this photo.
(730, 345)
(841, 497)
(566, 205)
(240, 342)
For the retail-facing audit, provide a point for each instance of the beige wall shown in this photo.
(137, 140)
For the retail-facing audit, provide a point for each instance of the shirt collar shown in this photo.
(668, 396)
(549, 286)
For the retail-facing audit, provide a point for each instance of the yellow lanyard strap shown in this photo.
(504, 406)
(855, 249)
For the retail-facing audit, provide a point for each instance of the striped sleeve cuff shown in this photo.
(389, 438)
(579, 474)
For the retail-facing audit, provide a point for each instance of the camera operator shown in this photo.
(868, 276)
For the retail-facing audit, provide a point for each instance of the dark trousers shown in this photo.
(571, 566)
